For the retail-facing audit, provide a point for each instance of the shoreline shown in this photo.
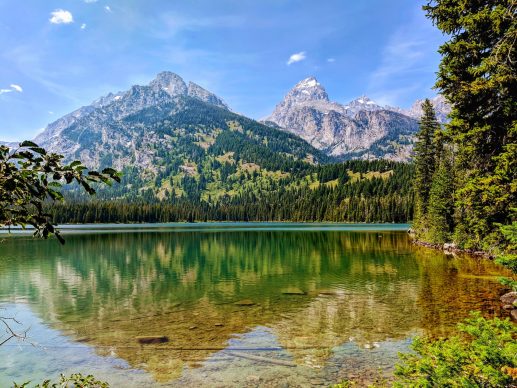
(452, 248)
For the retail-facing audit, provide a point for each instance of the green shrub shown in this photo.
(484, 354)
(76, 380)
(509, 260)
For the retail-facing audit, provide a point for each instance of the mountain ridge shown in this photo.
(359, 129)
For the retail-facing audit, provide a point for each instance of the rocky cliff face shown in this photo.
(359, 129)
(196, 91)
(441, 108)
(104, 117)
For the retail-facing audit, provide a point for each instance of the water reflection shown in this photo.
(313, 291)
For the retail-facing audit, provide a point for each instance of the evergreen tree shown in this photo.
(478, 76)
(441, 203)
(425, 165)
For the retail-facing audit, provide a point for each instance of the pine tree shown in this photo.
(478, 76)
(425, 165)
(441, 202)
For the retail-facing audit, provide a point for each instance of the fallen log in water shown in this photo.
(262, 359)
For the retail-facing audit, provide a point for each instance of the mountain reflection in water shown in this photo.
(307, 296)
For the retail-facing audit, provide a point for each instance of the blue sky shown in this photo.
(57, 55)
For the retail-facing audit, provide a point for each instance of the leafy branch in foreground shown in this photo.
(484, 354)
(75, 380)
(29, 176)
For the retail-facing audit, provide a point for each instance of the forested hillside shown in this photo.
(237, 190)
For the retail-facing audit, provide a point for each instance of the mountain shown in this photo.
(362, 103)
(172, 139)
(185, 156)
(8, 144)
(359, 129)
(441, 107)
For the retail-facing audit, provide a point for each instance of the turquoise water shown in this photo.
(241, 303)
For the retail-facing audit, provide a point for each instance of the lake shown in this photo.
(242, 304)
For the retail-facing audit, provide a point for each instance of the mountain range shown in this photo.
(176, 140)
(359, 129)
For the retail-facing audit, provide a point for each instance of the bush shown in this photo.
(76, 380)
(484, 354)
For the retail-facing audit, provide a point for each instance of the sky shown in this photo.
(58, 55)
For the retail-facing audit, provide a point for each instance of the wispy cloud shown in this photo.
(28, 60)
(61, 16)
(18, 88)
(108, 9)
(90, 1)
(331, 60)
(296, 58)
(83, 26)
(12, 88)
(407, 60)
(170, 24)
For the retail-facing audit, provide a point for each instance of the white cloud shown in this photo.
(60, 16)
(83, 26)
(18, 88)
(107, 8)
(12, 88)
(90, 1)
(296, 57)
(331, 60)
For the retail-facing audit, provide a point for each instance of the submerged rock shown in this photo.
(245, 302)
(152, 339)
(293, 291)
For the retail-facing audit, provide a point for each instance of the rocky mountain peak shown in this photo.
(308, 89)
(196, 91)
(440, 104)
(363, 103)
(166, 88)
(309, 82)
(361, 128)
(170, 82)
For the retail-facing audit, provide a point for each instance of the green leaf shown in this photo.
(28, 143)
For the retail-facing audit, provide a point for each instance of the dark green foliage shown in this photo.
(425, 157)
(483, 355)
(263, 197)
(29, 176)
(509, 259)
(441, 203)
(478, 76)
(434, 181)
